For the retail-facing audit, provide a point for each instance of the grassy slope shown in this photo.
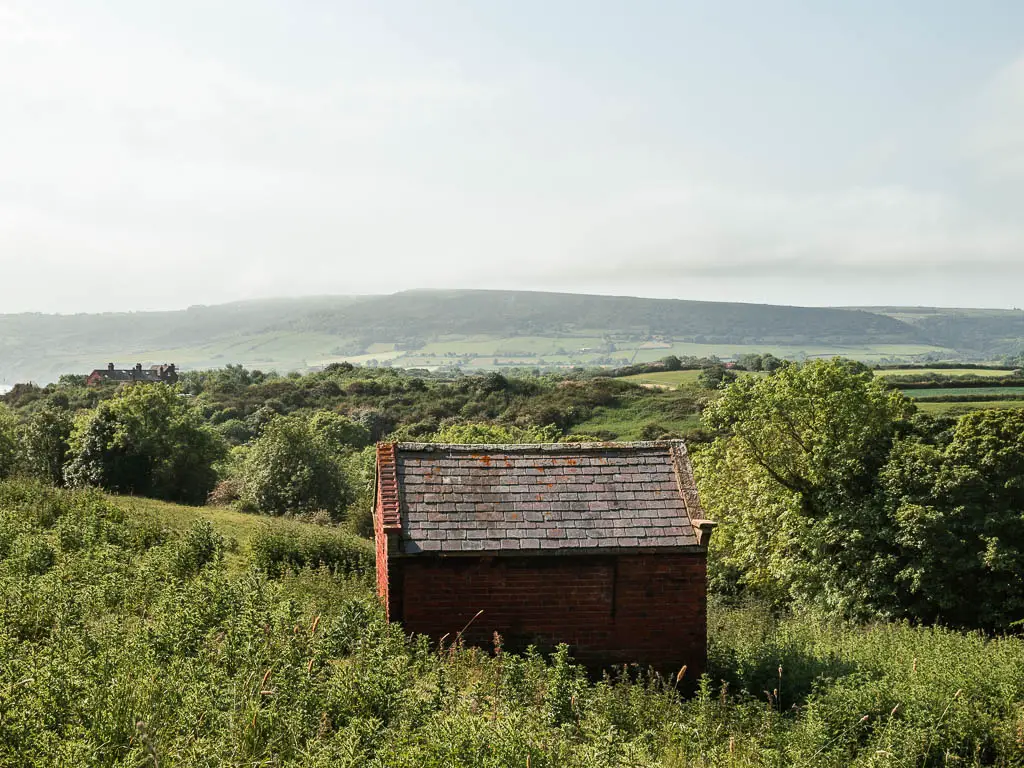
(237, 527)
(112, 658)
(627, 421)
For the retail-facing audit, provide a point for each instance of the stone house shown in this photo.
(167, 374)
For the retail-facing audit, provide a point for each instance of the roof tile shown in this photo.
(564, 497)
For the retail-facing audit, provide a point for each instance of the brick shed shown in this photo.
(599, 545)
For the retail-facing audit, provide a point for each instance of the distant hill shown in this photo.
(993, 332)
(481, 329)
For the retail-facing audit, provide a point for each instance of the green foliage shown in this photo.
(715, 376)
(293, 468)
(495, 434)
(959, 516)
(122, 644)
(8, 442)
(45, 442)
(830, 495)
(791, 477)
(276, 550)
(339, 430)
(147, 440)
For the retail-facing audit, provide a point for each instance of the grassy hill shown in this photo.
(994, 332)
(485, 329)
(129, 639)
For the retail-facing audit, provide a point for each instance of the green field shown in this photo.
(986, 372)
(285, 351)
(671, 379)
(924, 394)
(940, 408)
(668, 379)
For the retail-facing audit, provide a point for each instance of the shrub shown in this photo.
(199, 547)
(147, 441)
(291, 468)
(8, 442)
(276, 550)
(44, 444)
(225, 492)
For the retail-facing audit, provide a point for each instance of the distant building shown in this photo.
(598, 545)
(166, 374)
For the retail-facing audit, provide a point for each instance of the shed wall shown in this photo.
(611, 609)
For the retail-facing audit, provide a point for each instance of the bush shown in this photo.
(276, 550)
(225, 492)
(44, 444)
(113, 657)
(146, 441)
(8, 442)
(292, 468)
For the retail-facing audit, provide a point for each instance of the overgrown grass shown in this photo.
(277, 550)
(239, 529)
(643, 418)
(125, 642)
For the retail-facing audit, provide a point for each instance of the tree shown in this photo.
(959, 516)
(293, 467)
(715, 376)
(8, 442)
(496, 434)
(339, 430)
(147, 440)
(792, 478)
(751, 361)
(44, 443)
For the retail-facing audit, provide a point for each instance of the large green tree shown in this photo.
(45, 442)
(958, 511)
(148, 440)
(792, 477)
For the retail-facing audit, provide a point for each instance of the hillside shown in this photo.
(990, 331)
(133, 636)
(483, 329)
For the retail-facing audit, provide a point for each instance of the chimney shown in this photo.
(138, 367)
(110, 366)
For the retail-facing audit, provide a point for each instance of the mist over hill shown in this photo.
(482, 328)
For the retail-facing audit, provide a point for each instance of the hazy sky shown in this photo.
(159, 154)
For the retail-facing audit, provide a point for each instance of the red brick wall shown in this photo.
(381, 543)
(610, 609)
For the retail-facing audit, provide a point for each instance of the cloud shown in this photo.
(997, 140)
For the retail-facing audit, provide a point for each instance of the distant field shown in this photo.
(944, 372)
(664, 378)
(937, 409)
(924, 394)
(671, 379)
(284, 351)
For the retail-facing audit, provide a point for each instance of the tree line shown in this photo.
(832, 490)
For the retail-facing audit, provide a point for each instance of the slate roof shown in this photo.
(546, 498)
